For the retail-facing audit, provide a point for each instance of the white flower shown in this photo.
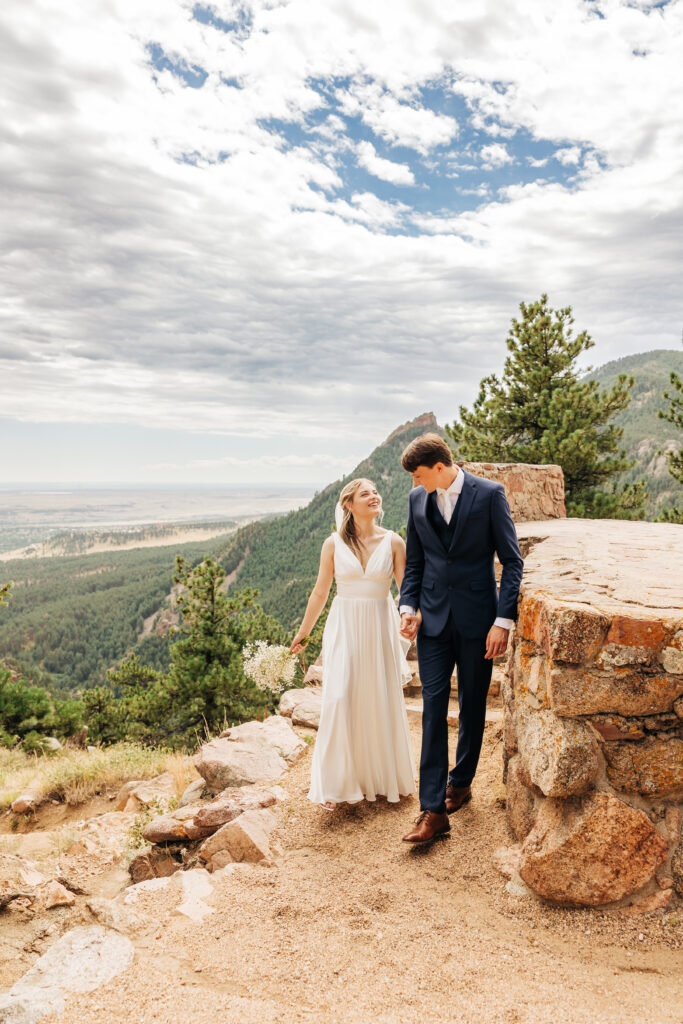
(271, 667)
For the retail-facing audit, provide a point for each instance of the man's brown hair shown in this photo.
(426, 450)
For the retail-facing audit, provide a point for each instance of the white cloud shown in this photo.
(495, 155)
(256, 290)
(387, 170)
(568, 156)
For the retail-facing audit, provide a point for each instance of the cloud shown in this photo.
(495, 155)
(212, 256)
(397, 174)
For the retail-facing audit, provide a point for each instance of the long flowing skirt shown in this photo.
(363, 747)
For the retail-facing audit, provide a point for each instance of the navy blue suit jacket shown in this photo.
(461, 579)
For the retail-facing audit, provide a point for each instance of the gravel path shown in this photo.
(352, 926)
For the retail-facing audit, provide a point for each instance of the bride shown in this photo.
(363, 747)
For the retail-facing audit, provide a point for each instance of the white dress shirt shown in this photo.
(446, 500)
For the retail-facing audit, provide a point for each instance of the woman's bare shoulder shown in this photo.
(397, 542)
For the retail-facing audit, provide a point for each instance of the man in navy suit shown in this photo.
(449, 600)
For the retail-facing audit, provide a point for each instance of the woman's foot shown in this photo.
(329, 805)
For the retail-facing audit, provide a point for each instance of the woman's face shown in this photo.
(366, 501)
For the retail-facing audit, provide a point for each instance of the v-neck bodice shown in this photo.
(373, 582)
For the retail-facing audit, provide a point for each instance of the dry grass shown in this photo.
(74, 776)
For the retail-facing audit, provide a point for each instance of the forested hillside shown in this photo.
(644, 433)
(280, 558)
(72, 618)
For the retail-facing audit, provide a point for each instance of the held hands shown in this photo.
(410, 625)
(496, 641)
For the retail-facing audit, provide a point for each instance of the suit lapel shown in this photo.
(422, 509)
(465, 500)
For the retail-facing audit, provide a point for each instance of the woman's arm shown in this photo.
(398, 550)
(319, 595)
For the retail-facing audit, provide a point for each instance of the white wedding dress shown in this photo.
(363, 748)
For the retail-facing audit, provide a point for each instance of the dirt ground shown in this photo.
(353, 926)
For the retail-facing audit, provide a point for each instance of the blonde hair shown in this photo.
(347, 530)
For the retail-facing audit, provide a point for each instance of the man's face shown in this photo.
(430, 477)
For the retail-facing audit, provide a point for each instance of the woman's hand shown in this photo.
(298, 643)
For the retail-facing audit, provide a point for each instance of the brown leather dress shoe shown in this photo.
(456, 796)
(428, 827)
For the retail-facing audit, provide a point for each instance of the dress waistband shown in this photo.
(375, 590)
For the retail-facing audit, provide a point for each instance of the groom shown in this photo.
(456, 523)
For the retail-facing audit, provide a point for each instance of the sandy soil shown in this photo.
(353, 926)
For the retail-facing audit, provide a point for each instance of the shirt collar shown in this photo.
(456, 486)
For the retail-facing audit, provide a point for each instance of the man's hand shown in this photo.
(410, 625)
(496, 641)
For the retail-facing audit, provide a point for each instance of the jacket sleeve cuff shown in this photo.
(407, 610)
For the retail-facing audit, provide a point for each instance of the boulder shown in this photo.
(229, 805)
(590, 850)
(520, 802)
(224, 763)
(302, 706)
(81, 961)
(506, 860)
(244, 839)
(31, 797)
(152, 863)
(560, 756)
(275, 732)
(653, 767)
(194, 792)
(137, 796)
(174, 827)
(314, 676)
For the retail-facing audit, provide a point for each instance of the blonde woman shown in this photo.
(363, 748)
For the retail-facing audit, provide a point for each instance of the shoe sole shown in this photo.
(446, 834)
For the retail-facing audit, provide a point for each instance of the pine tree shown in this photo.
(541, 412)
(674, 414)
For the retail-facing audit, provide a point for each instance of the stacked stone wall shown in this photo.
(593, 725)
(534, 493)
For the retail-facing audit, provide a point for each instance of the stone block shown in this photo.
(631, 641)
(590, 850)
(623, 691)
(567, 631)
(671, 656)
(520, 802)
(651, 768)
(560, 756)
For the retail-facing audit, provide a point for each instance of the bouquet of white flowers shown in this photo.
(270, 666)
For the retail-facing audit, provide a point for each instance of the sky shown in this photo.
(243, 241)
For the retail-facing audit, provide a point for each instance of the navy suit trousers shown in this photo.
(437, 657)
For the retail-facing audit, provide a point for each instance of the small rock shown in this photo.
(55, 895)
(50, 743)
(506, 860)
(649, 904)
(112, 914)
(302, 706)
(194, 792)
